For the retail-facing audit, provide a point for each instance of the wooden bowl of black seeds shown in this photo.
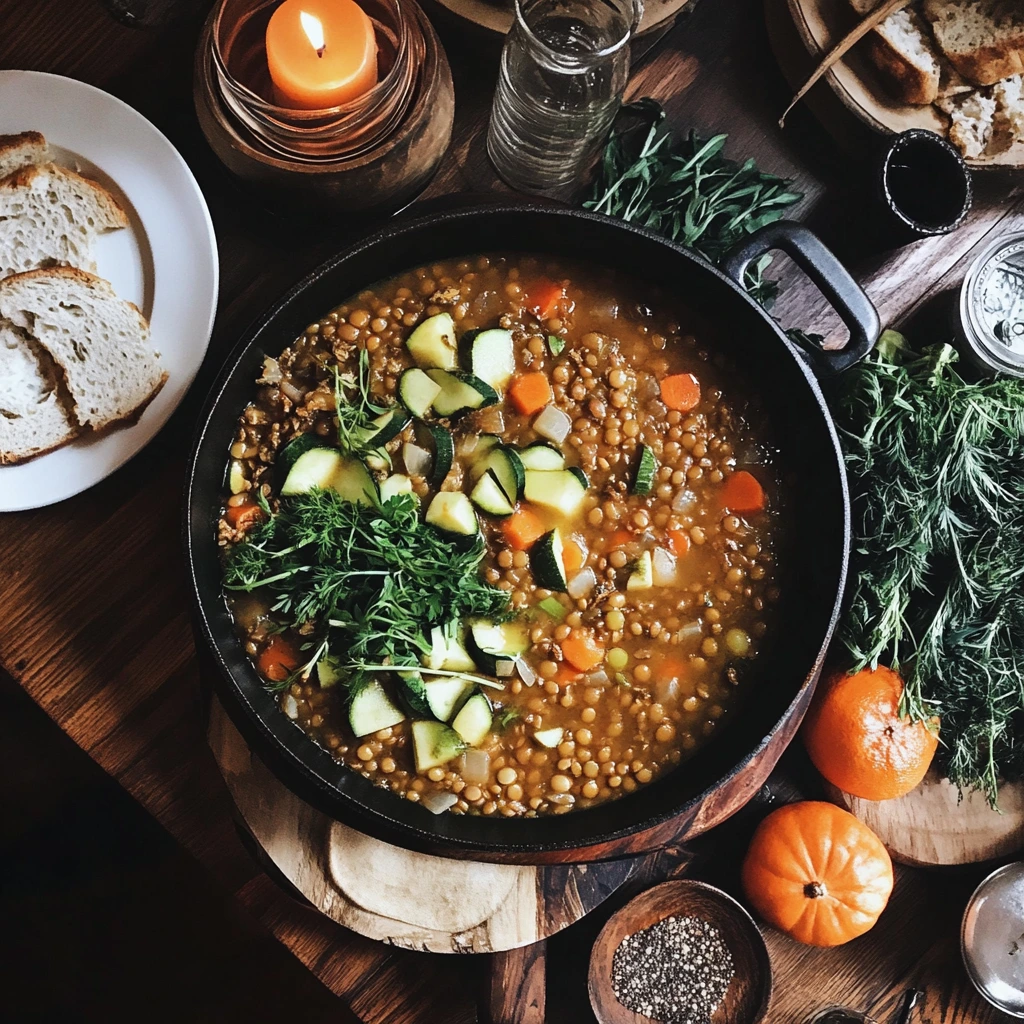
(682, 952)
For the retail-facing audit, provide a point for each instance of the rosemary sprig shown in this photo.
(937, 469)
(685, 189)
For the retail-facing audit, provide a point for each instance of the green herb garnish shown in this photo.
(556, 344)
(506, 716)
(937, 468)
(686, 189)
(372, 581)
(355, 410)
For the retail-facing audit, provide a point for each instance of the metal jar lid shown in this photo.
(992, 307)
(992, 939)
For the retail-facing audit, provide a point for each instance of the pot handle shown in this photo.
(820, 264)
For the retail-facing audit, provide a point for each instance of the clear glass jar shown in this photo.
(563, 71)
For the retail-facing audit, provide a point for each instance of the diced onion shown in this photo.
(691, 631)
(553, 424)
(528, 676)
(417, 460)
(476, 766)
(598, 678)
(562, 799)
(667, 690)
(665, 569)
(290, 706)
(468, 444)
(582, 583)
(684, 501)
(504, 668)
(438, 802)
(490, 420)
(271, 371)
(289, 390)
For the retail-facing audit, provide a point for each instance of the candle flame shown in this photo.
(314, 30)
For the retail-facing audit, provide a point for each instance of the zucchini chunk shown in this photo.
(438, 440)
(452, 512)
(473, 723)
(434, 745)
(353, 482)
(313, 468)
(489, 355)
(542, 456)
(289, 454)
(432, 343)
(460, 392)
(562, 490)
(445, 696)
(371, 710)
(491, 642)
(489, 496)
(448, 651)
(642, 576)
(417, 391)
(327, 672)
(414, 693)
(505, 464)
(385, 427)
(397, 483)
(549, 738)
(546, 562)
(646, 467)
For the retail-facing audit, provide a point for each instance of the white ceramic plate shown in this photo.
(165, 261)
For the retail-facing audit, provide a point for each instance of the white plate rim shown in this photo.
(146, 429)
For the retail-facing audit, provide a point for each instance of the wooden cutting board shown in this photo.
(934, 827)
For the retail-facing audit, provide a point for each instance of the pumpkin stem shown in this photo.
(814, 890)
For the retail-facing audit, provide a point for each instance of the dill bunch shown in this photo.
(937, 474)
(366, 584)
(684, 188)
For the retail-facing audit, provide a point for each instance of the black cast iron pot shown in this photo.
(728, 771)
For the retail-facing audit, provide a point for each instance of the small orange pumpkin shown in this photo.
(817, 873)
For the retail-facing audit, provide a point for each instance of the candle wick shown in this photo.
(320, 50)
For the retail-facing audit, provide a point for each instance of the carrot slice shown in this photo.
(278, 660)
(742, 493)
(566, 675)
(544, 297)
(582, 651)
(530, 393)
(681, 391)
(619, 539)
(678, 542)
(573, 556)
(670, 668)
(522, 528)
(243, 516)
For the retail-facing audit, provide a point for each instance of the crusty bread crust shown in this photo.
(111, 208)
(984, 63)
(907, 82)
(6, 459)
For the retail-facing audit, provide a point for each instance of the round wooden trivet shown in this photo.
(407, 899)
(929, 827)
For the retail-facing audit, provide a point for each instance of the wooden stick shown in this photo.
(854, 36)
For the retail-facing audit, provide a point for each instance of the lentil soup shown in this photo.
(502, 533)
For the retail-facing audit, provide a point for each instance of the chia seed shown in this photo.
(677, 971)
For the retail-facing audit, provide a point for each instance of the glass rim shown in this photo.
(637, 8)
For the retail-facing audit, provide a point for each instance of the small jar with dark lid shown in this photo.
(923, 187)
(991, 321)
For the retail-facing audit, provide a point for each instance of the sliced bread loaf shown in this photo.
(32, 417)
(983, 39)
(25, 149)
(902, 50)
(971, 117)
(98, 342)
(50, 216)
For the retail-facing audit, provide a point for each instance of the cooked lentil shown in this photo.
(670, 656)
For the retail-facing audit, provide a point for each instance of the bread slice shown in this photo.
(902, 50)
(971, 117)
(99, 342)
(33, 419)
(983, 39)
(50, 216)
(25, 149)
(1008, 124)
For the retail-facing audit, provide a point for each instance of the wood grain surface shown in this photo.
(937, 826)
(95, 619)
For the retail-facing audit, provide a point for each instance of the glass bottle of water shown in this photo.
(563, 71)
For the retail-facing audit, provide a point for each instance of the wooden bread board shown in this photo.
(933, 827)
(803, 31)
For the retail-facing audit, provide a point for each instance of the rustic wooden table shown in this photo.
(95, 618)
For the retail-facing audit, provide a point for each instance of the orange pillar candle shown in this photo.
(321, 53)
